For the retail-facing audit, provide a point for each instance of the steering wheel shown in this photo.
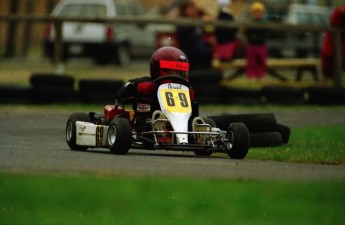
(175, 78)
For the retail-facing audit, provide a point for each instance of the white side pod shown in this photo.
(89, 134)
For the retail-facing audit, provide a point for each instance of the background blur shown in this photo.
(22, 55)
(23, 38)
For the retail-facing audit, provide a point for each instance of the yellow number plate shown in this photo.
(176, 100)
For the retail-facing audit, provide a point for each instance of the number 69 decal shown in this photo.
(176, 100)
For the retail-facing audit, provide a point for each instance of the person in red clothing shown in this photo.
(142, 92)
(337, 19)
(256, 52)
(226, 40)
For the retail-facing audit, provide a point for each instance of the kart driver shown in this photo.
(142, 92)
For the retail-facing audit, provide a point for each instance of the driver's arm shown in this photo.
(135, 88)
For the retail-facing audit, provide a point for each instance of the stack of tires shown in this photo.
(234, 95)
(263, 128)
(326, 95)
(206, 85)
(283, 95)
(15, 94)
(99, 90)
(52, 88)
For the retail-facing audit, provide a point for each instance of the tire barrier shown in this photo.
(14, 95)
(206, 85)
(257, 122)
(265, 139)
(283, 95)
(263, 128)
(99, 91)
(52, 88)
(234, 95)
(326, 95)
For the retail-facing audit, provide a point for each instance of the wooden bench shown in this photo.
(301, 65)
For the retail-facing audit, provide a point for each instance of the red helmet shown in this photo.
(169, 61)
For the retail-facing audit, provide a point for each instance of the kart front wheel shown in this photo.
(238, 143)
(71, 134)
(119, 136)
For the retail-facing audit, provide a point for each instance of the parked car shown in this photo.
(103, 42)
(297, 44)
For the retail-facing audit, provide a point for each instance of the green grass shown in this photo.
(321, 144)
(88, 199)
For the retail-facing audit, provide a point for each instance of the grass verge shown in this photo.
(321, 144)
(85, 199)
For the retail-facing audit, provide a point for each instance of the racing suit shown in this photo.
(142, 94)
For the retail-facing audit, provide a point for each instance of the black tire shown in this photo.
(238, 144)
(256, 122)
(207, 94)
(71, 130)
(285, 132)
(205, 77)
(283, 95)
(53, 94)
(206, 84)
(38, 80)
(232, 95)
(265, 139)
(119, 136)
(203, 152)
(52, 88)
(13, 94)
(326, 95)
(99, 90)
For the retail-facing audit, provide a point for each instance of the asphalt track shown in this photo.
(34, 141)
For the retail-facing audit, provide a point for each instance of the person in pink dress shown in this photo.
(337, 20)
(256, 52)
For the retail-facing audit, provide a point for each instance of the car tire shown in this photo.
(14, 94)
(326, 95)
(256, 122)
(284, 131)
(99, 90)
(52, 88)
(233, 95)
(239, 142)
(119, 136)
(71, 133)
(265, 139)
(283, 95)
(38, 80)
(205, 77)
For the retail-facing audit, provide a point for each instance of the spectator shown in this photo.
(337, 19)
(225, 37)
(190, 38)
(256, 52)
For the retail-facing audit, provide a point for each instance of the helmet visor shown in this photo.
(175, 67)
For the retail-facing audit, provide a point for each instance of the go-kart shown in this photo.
(170, 128)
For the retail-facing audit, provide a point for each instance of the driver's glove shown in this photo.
(147, 88)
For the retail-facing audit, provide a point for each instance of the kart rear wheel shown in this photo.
(119, 136)
(238, 144)
(71, 134)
